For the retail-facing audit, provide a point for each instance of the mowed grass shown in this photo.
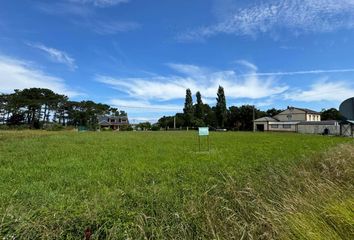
(157, 185)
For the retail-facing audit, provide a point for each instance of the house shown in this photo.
(112, 122)
(288, 120)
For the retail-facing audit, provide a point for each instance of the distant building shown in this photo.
(113, 122)
(300, 120)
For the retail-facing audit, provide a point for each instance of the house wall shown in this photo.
(313, 117)
(297, 115)
(280, 127)
(291, 115)
(318, 129)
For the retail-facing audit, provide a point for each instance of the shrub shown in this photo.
(53, 127)
(126, 128)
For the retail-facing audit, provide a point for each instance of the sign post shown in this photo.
(204, 132)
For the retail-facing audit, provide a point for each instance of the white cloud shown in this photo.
(56, 55)
(17, 74)
(143, 110)
(172, 87)
(323, 90)
(298, 16)
(139, 105)
(161, 88)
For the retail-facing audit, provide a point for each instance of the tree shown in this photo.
(166, 122)
(144, 126)
(198, 120)
(233, 118)
(272, 112)
(331, 114)
(221, 111)
(38, 106)
(246, 117)
(3, 107)
(188, 108)
(32, 99)
(199, 113)
(16, 119)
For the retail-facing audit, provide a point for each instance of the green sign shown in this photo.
(203, 131)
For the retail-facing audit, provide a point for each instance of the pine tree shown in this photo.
(188, 108)
(221, 111)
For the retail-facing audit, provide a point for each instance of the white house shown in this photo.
(287, 121)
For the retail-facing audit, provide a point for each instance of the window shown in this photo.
(113, 120)
(274, 126)
(290, 117)
(287, 126)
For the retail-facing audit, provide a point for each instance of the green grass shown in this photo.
(157, 185)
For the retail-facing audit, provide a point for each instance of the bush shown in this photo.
(4, 127)
(53, 127)
(14, 127)
(155, 127)
(126, 128)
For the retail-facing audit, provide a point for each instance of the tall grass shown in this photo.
(158, 186)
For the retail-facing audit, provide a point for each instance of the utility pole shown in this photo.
(254, 116)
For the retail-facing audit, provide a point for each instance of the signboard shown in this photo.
(203, 131)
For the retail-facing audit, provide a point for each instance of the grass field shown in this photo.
(156, 185)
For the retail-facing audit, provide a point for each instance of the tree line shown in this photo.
(37, 107)
(240, 118)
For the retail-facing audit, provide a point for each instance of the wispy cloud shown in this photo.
(80, 13)
(101, 3)
(164, 88)
(297, 16)
(323, 90)
(318, 71)
(19, 74)
(56, 55)
(113, 27)
(64, 8)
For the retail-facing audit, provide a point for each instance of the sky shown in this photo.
(141, 56)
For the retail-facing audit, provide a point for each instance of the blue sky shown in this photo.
(141, 55)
